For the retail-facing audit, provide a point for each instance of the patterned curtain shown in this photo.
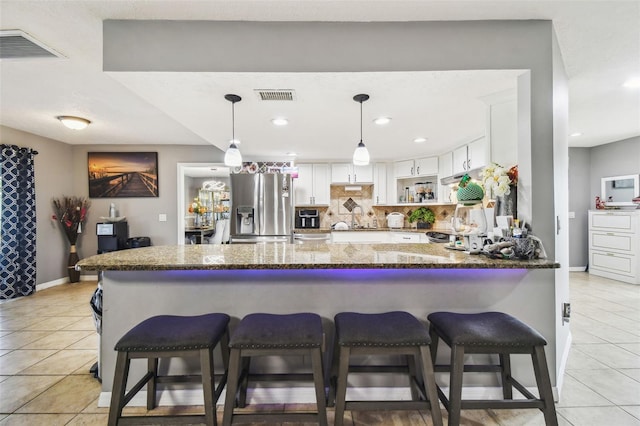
(17, 222)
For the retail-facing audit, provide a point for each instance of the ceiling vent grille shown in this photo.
(16, 44)
(276, 94)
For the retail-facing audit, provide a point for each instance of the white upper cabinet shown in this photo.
(348, 173)
(445, 169)
(478, 153)
(427, 166)
(379, 183)
(404, 169)
(312, 185)
(471, 156)
(460, 160)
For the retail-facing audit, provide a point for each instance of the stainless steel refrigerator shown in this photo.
(261, 208)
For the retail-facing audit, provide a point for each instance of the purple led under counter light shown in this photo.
(371, 275)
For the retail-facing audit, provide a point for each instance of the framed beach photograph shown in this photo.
(123, 174)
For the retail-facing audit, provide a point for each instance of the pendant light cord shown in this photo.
(233, 123)
(361, 122)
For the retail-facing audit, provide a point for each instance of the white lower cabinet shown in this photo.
(360, 237)
(408, 237)
(614, 245)
(378, 237)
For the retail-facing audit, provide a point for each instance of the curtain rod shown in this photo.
(16, 147)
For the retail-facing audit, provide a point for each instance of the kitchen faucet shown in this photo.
(353, 218)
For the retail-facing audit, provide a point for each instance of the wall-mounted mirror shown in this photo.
(620, 189)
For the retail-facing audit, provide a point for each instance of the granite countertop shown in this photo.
(299, 256)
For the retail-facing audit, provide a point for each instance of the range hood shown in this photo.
(473, 173)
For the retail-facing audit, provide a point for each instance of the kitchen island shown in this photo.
(322, 278)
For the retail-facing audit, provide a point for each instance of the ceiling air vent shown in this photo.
(16, 44)
(276, 94)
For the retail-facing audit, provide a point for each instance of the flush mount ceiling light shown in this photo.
(232, 157)
(280, 121)
(75, 123)
(420, 140)
(381, 121)
(361, 154)
(575, 135)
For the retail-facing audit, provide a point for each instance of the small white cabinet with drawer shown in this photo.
(614, 244)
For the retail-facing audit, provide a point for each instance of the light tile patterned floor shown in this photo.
(48, 341)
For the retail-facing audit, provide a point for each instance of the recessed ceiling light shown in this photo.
(75, 123)
(632, 83)
(420, 140)
(381, 121)
(280, 121)
(575, 135)
(291, 154)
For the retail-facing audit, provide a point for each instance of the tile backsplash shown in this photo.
(342, 199)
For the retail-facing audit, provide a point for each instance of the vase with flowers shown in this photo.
(199, 210)
(502, 182)
(71, 213)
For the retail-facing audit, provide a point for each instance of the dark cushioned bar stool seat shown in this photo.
(271, 334)
(391, 333)
(491, 333)
(167, 336)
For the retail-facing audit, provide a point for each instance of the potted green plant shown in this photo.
(424, 216)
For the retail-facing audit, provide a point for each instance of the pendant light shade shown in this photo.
(232, 157)
(361, 154)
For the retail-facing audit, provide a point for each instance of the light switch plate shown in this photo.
(572, 215)
(162, 217)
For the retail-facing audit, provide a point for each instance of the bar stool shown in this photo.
(491, 333)
(167, 336)
(271, 334)
(391, 333)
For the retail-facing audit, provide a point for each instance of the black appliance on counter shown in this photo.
(112, 236)
(307, 219)
(137, 242)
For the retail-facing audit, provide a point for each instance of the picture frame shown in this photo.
(122, 174)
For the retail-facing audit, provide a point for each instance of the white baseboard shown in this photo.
(302, 395)
(577, 268)
(61, 281)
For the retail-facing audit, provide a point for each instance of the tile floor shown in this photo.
(48, 343)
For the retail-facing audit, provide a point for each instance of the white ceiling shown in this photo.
(600, 43)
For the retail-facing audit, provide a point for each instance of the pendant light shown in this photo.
(232, 157)
(361, 154)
